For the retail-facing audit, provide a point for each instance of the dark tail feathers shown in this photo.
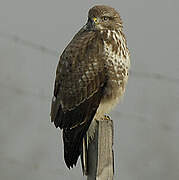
(73, 139)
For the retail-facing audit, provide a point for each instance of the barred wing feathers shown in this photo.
(79, 84)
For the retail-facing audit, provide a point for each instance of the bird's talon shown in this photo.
(106, 117)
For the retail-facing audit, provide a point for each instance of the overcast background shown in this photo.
(32, 35)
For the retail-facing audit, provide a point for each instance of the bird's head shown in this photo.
(103, 18)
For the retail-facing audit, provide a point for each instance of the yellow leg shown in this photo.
(106, 117)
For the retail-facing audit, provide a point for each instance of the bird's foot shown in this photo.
(106, 117)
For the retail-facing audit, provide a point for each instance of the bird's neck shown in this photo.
(116, 40)
(113, 35)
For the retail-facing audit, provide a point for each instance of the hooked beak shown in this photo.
(91, 23)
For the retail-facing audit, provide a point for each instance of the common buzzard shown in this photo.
(90, 79)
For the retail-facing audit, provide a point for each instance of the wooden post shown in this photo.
(100, 159)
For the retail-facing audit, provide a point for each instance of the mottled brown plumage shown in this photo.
(91, 77)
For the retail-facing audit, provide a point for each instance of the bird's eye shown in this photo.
(105, 18)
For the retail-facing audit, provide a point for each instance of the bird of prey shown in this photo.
(90, 79)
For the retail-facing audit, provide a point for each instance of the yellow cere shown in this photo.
(95, 19)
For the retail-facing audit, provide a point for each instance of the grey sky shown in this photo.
(146, 121)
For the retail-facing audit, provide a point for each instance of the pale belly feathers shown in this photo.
(117, 65)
